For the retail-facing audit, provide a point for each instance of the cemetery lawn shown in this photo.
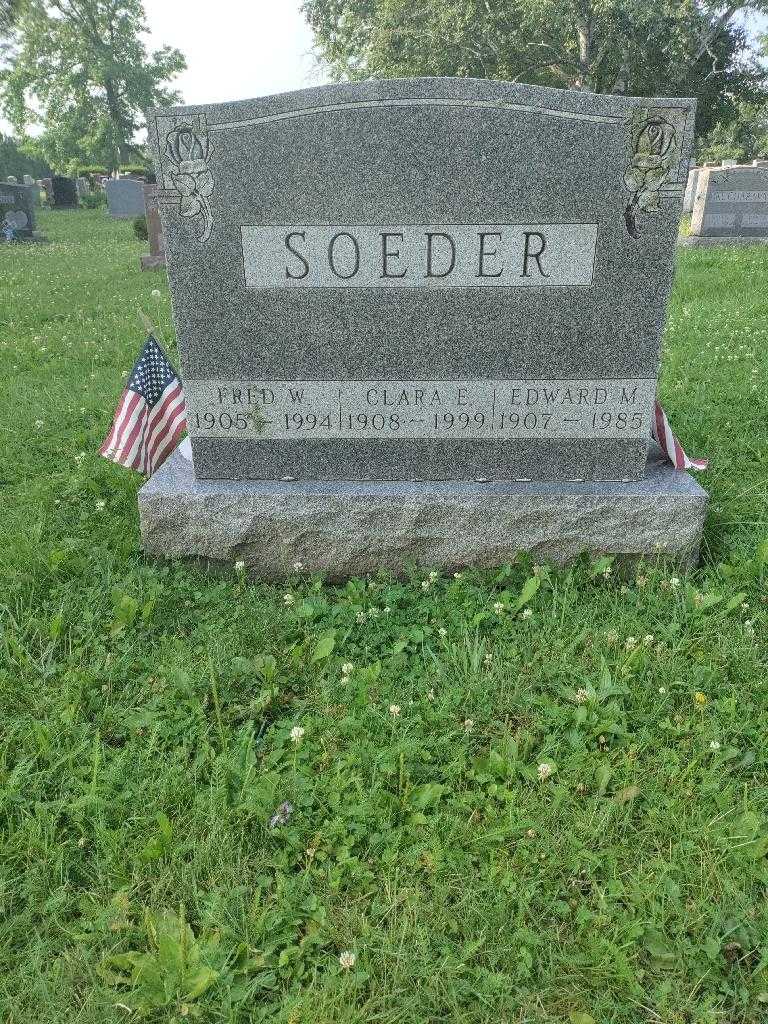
(526, 795)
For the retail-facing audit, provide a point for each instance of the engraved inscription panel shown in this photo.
(725, 196)
(436, 409)
(418, 255)
(719, 220)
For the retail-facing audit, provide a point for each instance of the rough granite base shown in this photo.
(347, 528)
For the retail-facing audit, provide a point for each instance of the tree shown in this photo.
(15, 161)
(9, 10)
(671, 47)
(80, 69)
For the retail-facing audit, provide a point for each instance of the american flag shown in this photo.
(150, 416)
(661, 432)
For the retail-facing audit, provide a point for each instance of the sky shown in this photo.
(235, 49)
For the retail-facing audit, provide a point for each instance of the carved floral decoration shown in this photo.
(188, 151)
(652, 156)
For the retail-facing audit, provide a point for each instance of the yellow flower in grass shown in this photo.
(700, 698)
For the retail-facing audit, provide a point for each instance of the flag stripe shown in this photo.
(150, 417)
(174, 434)
(159, 430)
(125, 407)
(167, 410)
(131, 421)
(661, 432)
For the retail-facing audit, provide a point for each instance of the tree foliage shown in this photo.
(80, 69)
(14, 160)
(672, 47)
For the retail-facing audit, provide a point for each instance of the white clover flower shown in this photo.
(288, 599)
(38, 424)
(240, 566)
(662, 690)
(433, 576)
(394, 710)
(527, 613)
(607, 572)
(488, 658)
(298, 566)
(648, 639)
(360, 616)
(544, 771)
(100, 505)
(443, 632)
(425, 584)
(430, 694)
(347, 959)
(469, 724)
(458, 576)
(156, 293)
(674, 583)
(630, 643)
(498, 607)
(297, 733)
(581, 696)
(374, 612)
(641, 581)
(346, 668)
(714, 745)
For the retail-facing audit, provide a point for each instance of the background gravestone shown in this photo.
(17, 213)
(156, 257)
(64, 193)
(690, 190)
(426, 289)
(731, 206)
(125, 198)
(83, 187)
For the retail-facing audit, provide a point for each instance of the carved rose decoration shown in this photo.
(653, 153)
(188, 150)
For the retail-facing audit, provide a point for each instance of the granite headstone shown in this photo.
(156, 257)
(64, 193)
(17, 213)
(731, 205)
(125, 198)
(83, 187)
(421, 280)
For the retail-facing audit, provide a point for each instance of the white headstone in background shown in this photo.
(731, 204)
(690, 189)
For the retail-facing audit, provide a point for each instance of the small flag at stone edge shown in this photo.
(150, 417)
(666, 440)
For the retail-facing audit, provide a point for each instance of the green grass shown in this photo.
(146, 716)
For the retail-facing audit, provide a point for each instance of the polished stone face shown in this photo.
(125, 198)
(64, 192)
(17, 211)
(421, 279)
(731, 202)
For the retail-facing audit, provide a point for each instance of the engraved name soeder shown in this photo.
(437, 409)
(418, 255)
